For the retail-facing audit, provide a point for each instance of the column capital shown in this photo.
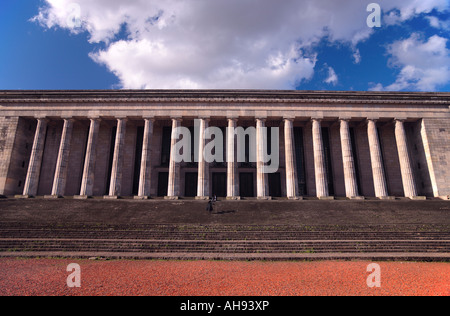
(400, 119)
(42, 119)
(345, 119)
(176, 118)
(289, 118)
(149, 118)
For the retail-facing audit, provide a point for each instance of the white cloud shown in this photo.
(357, 56)
(438, 24)
(424, 64)
(332, 77)
(219, 43)
(398, 11)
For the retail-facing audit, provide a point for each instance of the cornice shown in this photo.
(224, 96)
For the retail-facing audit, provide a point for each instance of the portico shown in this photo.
(341, 145)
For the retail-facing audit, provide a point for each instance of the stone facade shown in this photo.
(117, 143)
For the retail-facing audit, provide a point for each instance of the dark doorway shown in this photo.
(300, 159)
(112, 147)
(246, 185)
(275, 184)
(163, 183)
(328, 159)
(383, 159)
(191, 184)
(138, 159)
(219, 184)
(165, 146)
(355, 158)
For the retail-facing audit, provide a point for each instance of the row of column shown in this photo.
(351, 186)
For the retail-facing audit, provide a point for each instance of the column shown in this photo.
(379, 177)
(319, 160)
(351, 184)
(60, 180)
(34, 168)
(146, 173)
(262, 177)
(87, 183)
(409, 185)
(232, 164)
(291, 165)
(203, 166)
(173, 191)
(115, 188)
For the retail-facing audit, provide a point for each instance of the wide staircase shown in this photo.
(284, 240)
(218, 242)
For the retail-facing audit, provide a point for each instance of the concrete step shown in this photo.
(381, 256)
(166, 246)
(220, 235)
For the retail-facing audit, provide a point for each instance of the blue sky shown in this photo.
(36, 58)
(239, 44)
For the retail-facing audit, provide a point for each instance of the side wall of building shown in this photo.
(436, 141)
(16, 142)
(8, 128)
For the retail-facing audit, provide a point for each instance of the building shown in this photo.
(118, 144)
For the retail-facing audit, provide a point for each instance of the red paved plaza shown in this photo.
(206, 278)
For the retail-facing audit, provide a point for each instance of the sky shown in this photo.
(225, 44)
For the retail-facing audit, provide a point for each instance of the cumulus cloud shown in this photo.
(424, 63)
(332, 77)
(218, 44)
(439, 24)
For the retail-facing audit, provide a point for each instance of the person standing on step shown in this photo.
(210, 206)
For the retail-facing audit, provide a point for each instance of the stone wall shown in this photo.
(436, 139)
(16, 142)
(77, 157)
(50, 157)
(364, 162)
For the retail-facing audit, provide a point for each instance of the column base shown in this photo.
(142, 198)
(3, 196)
(264, 198)
(233, 198)
(82, 197)
(326, 198)
(357, 198)
(23, 196)
(295, 198)
(386, 198)
(111, 197)
(445, 197)
(53, 197)
(202, 198)
(171, 198)
(418, 198)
